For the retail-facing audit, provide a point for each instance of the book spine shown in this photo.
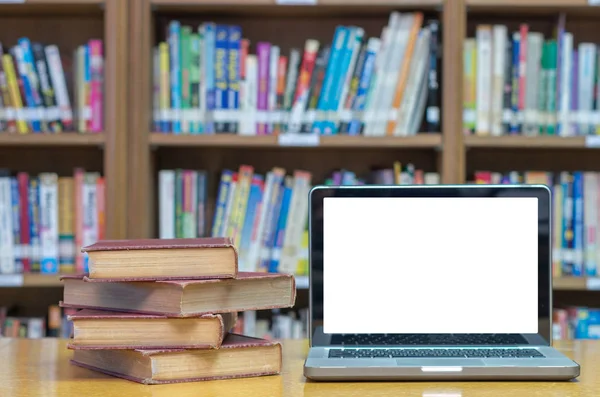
(282, 65)
(534, 53)
(252, 211)
(49, 223)
(250, 95)
(25, 239)
(34, 224)
(271, 224)
(178, 203)
(25, 86)
(184, 78)
(79, 218)
(9, 109)
(542, 94)
(7, 260)
(16, 224)
(194, 76)
(263, 51)
(484, 78)
(515, 123)
(316, 84)
(96, 95)
(587, 64)
(351, 97)
(165, 94)
(568, 227)
(209, 30)
(243, 190)
(187, 214)
(327, 92)
(280, 227)
(507, 114)
(220, 67)
(566, 59)
(156, 89)
(52, 112)
(90, 211)
(245, 126)
(38, 114)
(234, 76)
(291, 79)
(79, 87)
(175, 74)
(66, 230)
(307, 66)
(578, 226)
(432, 112)
(86, 89)
(590, 222)
(366, 78)
(223, 193)
(572, 121)
(59, 84)
(272, 93)
(166, 187)
(202, 203)
(344, 88)
(499, 33)
(551, 90)
(229, 207)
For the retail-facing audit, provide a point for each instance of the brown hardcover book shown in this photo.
(182, 298)
(239, 357)
(96, 329)
(182, 258)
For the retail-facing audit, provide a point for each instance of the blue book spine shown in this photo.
(17, 53)
(514, 100)
(280, 230)
(593, 331)
(175, 74)
(271, 231)
(34, 225)
(578, 226)
(209, 72)
(255, 198)
(222, 195)
(567, 234)
(366, 76)
(87, 78)
(339, 41)
(32, 74)
(16, 223)
(234, 73)
(340, 80)
(220, 66)
(581, 327)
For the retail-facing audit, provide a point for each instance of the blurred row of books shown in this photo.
(55, 324)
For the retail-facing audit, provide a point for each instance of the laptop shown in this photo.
(432, 283)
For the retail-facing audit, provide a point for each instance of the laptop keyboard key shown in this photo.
(435, 353)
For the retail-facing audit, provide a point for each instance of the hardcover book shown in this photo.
(97, 329)
(150, 259)
(239, 357)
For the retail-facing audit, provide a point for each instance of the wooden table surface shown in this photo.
(41, 368)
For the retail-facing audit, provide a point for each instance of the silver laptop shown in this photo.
(432, 283)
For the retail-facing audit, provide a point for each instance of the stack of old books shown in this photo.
(160, 311)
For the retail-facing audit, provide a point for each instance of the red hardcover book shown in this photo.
(239, 357)
(182, 298)
(98, 329)
(151, 259)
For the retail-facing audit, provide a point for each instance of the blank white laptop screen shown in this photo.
(430, 265)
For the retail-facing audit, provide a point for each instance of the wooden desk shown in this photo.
(41, 368)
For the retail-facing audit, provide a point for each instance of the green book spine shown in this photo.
(596, 129)
(195, 82)
(542, 90)
(185, 52)
(551, 90)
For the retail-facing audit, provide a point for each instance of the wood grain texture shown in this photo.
(64, 139)
(115, 117)
(452, 164)
(41, 368)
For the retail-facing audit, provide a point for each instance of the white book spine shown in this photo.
(587, 74)
(256, 242)
(484, 79)
(166, 187)
(229, 206)
(417, 73)
(533, 62)
(295, 224)
(358, 37)
(58, 83)
(499, 65)
(7, 260)
(565, 82)
(250, 94)
(90, 211)
(590, 214)
(49, 222)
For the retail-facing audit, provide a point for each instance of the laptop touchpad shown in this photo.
(440, 362)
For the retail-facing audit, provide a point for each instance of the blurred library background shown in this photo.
(193, 118)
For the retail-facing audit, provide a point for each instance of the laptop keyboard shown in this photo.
(434, 353)
(427, 340)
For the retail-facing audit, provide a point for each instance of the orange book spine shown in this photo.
(403, 76)
(101, 201)
(78, 201)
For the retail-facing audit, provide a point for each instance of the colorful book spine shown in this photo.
(282, 219)
(223, 193)
(7, 260)
(34, 224)
(90, 211)
(179, 203)
(175, 74)
(263, 51)
(515, 122)
(552, 89)
(184, 78)
(194, 76)
(307, 66)
(220, 66)
(96, 94)
(165, 93)
(366, 78)
(49, 223)
(37, 113)
(59, 84)
(25, 236)
(272, 94)
(566, 180)
(52, 113)
(234, 75)
(79, 218)
(66, 227)
(255, 198)
(201, 212)
(578, 226)
(16, 224)
(209, 33)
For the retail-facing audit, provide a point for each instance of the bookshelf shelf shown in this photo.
(63, 139)
(576, 284)
(526, 142)
(508, 4)
(421, 4)
(429, 140)
(30, 280)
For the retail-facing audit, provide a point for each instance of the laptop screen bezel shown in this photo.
(541, 192)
